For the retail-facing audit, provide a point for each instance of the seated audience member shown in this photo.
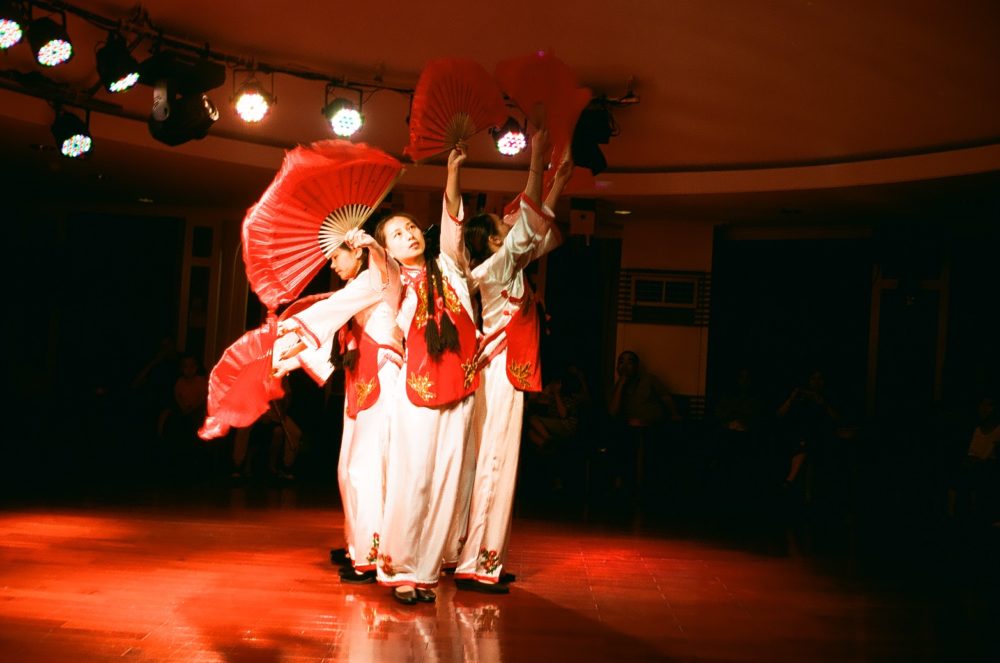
(640, 404)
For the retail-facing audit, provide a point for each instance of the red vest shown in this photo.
(523, 366)
(361, 385)
(452, 376)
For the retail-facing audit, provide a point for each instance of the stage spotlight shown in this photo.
(118, 70)
(252, 102)
(345, 118)
(510, 138)
(181, 110)
(178, 119)
(11, 24)
(49, 42)
(71, 134)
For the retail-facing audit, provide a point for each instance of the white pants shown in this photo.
(496, 426)
(458, 529)
(361, 471)
(423, 469)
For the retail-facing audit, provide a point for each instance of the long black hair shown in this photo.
(445, 337)
(477, 232)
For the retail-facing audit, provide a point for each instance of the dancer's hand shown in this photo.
(562, 176)
(457, 157)
(292, 346)
(540, 142)
(356, 238)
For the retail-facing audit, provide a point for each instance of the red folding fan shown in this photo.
(322, 191)
(454, 99)
(241, 386)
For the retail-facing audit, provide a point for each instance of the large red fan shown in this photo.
(241, 386)
(546, 91)
(322, 191)
(454, 99)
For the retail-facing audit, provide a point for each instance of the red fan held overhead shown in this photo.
(241, 387)
(454, 99)
(544, 88)
(322, 191)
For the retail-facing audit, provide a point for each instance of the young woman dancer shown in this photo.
(434, 399)
(359, 320)
(510, 364)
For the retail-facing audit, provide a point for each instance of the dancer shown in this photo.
(510, 364)
(434, 401)
(360, 321)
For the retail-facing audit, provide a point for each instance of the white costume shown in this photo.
(499, 406)
(372, 307)
(426, 445)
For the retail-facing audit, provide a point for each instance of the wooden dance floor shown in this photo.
(241, 581)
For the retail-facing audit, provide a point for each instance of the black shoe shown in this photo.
(506, 578)
(349, 575)
(483, 587)
(339, 557)
(405, 597)
(426, 595)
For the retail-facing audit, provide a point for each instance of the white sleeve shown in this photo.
(552, 237)
(452, 244)
(318, 324)
(520, 247)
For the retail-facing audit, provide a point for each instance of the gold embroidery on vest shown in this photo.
(421, 314)
(364, 390)
(451, 301)
(521, 372)
(450, 298)
(469, 368)
(421, 384)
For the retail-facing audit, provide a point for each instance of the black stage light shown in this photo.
(49, 42)
(177, 119)
(71, 134)
(118, 70)
(181, 109)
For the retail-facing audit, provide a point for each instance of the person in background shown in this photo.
(640, 404)
(809, 420)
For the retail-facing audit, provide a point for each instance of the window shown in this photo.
(661, 297)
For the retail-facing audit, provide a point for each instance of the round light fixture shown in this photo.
(344, 117)
(252, 102)
(72, 135)
(49, 42)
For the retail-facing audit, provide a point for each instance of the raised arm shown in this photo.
(539, 146)
(453, 188)
(551, 237)
(320, 322)
(531, 226)
(563, 174)
(383, 271)
(453, 213)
